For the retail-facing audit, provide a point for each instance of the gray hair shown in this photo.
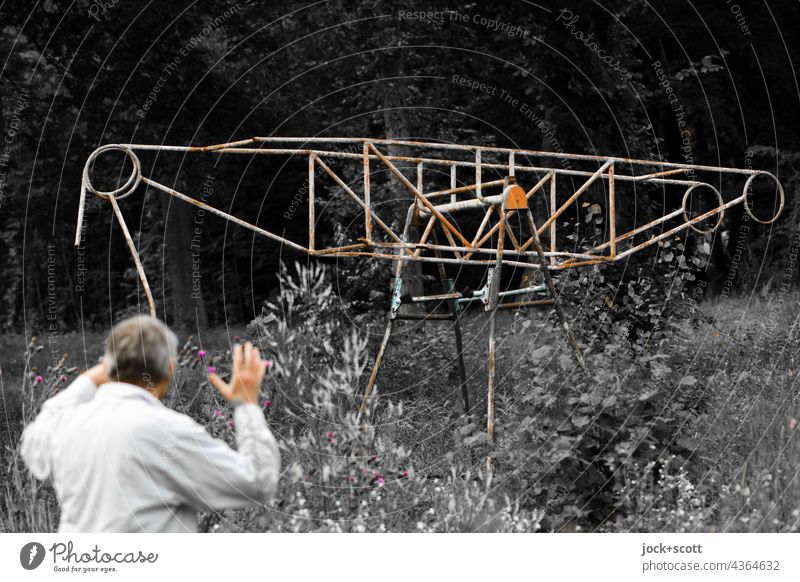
(139, 351)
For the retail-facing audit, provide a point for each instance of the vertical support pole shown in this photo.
(387, 334)
(395, 306)
(552, 224)
(511, 168)
(448, 286)
(479, 190)
(453, 182)
(462, 371)
(493, 304)
(368, 211)
(612, 213)
(420, 181)
(490, 388)
(311, 218)
(548, 279)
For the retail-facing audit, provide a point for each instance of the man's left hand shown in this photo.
(98, 374)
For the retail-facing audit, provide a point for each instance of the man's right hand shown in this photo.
(248, 372)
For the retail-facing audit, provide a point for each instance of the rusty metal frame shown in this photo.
(436, 206)
(465, 248)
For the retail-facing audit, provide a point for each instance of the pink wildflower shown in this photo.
(62, 378)
(267, 364)
(793, 423)
(380, 481)
(267, 403)
(39, 379)
(211, 369)
(217, 412)
(230, 424)
(201, 353)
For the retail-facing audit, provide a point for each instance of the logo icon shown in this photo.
(31, 555)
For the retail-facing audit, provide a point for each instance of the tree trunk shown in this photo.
(396, 126)
(183, 241)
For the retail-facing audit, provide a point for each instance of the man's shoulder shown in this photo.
(174, 417)
(163, 421)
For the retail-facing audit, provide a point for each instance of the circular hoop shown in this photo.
(721, 214)
(746, 190)
(128, 187)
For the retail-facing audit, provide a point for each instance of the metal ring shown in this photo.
(746, 190)
(128, 187)
(720, 207)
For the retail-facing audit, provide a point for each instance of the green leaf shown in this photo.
(580, 421)
(477, 439)
(541, 353)
(610, 401)
(467, 429)
(649, 395)
(688, 443)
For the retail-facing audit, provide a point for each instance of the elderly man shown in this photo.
(121, 461)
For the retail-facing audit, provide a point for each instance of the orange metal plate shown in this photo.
(516, 198)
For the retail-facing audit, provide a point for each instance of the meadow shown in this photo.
(689, 426)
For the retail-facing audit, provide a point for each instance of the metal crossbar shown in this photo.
(561, 180)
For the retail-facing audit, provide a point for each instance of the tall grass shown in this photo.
(25, 503)
(717, 396)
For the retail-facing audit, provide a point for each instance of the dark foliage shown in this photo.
(76, 76)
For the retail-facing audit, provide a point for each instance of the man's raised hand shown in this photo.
(98, 374)
(248, 372)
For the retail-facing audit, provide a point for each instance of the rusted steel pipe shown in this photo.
(132, 247)
(420, 197)
(367, 209)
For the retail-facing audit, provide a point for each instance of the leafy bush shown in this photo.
(341, 474)
(676, 433)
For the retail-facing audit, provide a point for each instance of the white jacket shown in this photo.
(121, 461)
